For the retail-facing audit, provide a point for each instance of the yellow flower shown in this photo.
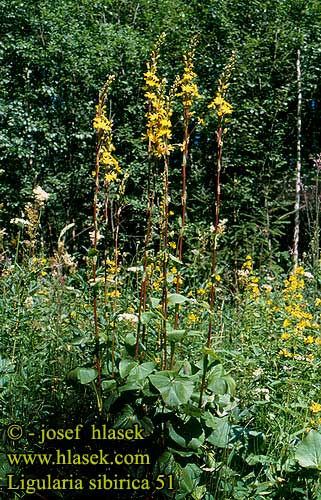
(114, 293)
(286, 323)
(309, 340)
(285, 353)
(285, 336)
(217, 277)
(315, 407)
(172, 244)
(191, 317)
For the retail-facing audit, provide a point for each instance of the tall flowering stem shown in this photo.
(151, 87)
(105, 159)
(188, 91)
(222, 109)
(158, 134)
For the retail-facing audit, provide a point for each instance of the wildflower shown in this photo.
(20, 222)
(201, 291)
(200, 121)
(99, 236)
(222, 106)
(159, 113)
(315, 407)
(264, 391)
(286, 323)
(285, 353)
(113, 293)
(172, 244)
(134, 269)
(309, 340)
(258, 372)
(191, 317)
(217, 277)
(40, 195)
(29, 302)
(189, 89)
(285, 336)
(222, 226)
(72, 314)
(128, 317)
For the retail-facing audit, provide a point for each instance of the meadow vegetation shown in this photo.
(219, 365)
(160, 243)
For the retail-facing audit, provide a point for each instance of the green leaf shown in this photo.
(190, 477)
(218, 382)
(308, 452)
(82, 375)
(175, 390)
(188, 434)
(175, 259)
(108, 385)
(176, 298)
(5, 469)
(125, 366)
(220, 436)
(175, 335)
(140, 372)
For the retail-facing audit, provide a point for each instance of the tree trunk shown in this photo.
(298, 166)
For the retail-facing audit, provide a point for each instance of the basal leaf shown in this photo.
(308, 452)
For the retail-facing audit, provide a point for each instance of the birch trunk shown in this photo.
(298, 166)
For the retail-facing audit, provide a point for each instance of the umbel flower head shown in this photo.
(40, 196)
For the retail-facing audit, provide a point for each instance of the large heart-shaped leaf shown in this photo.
(82, 375)
(174, 389)
(221, 434)
(308, 452)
